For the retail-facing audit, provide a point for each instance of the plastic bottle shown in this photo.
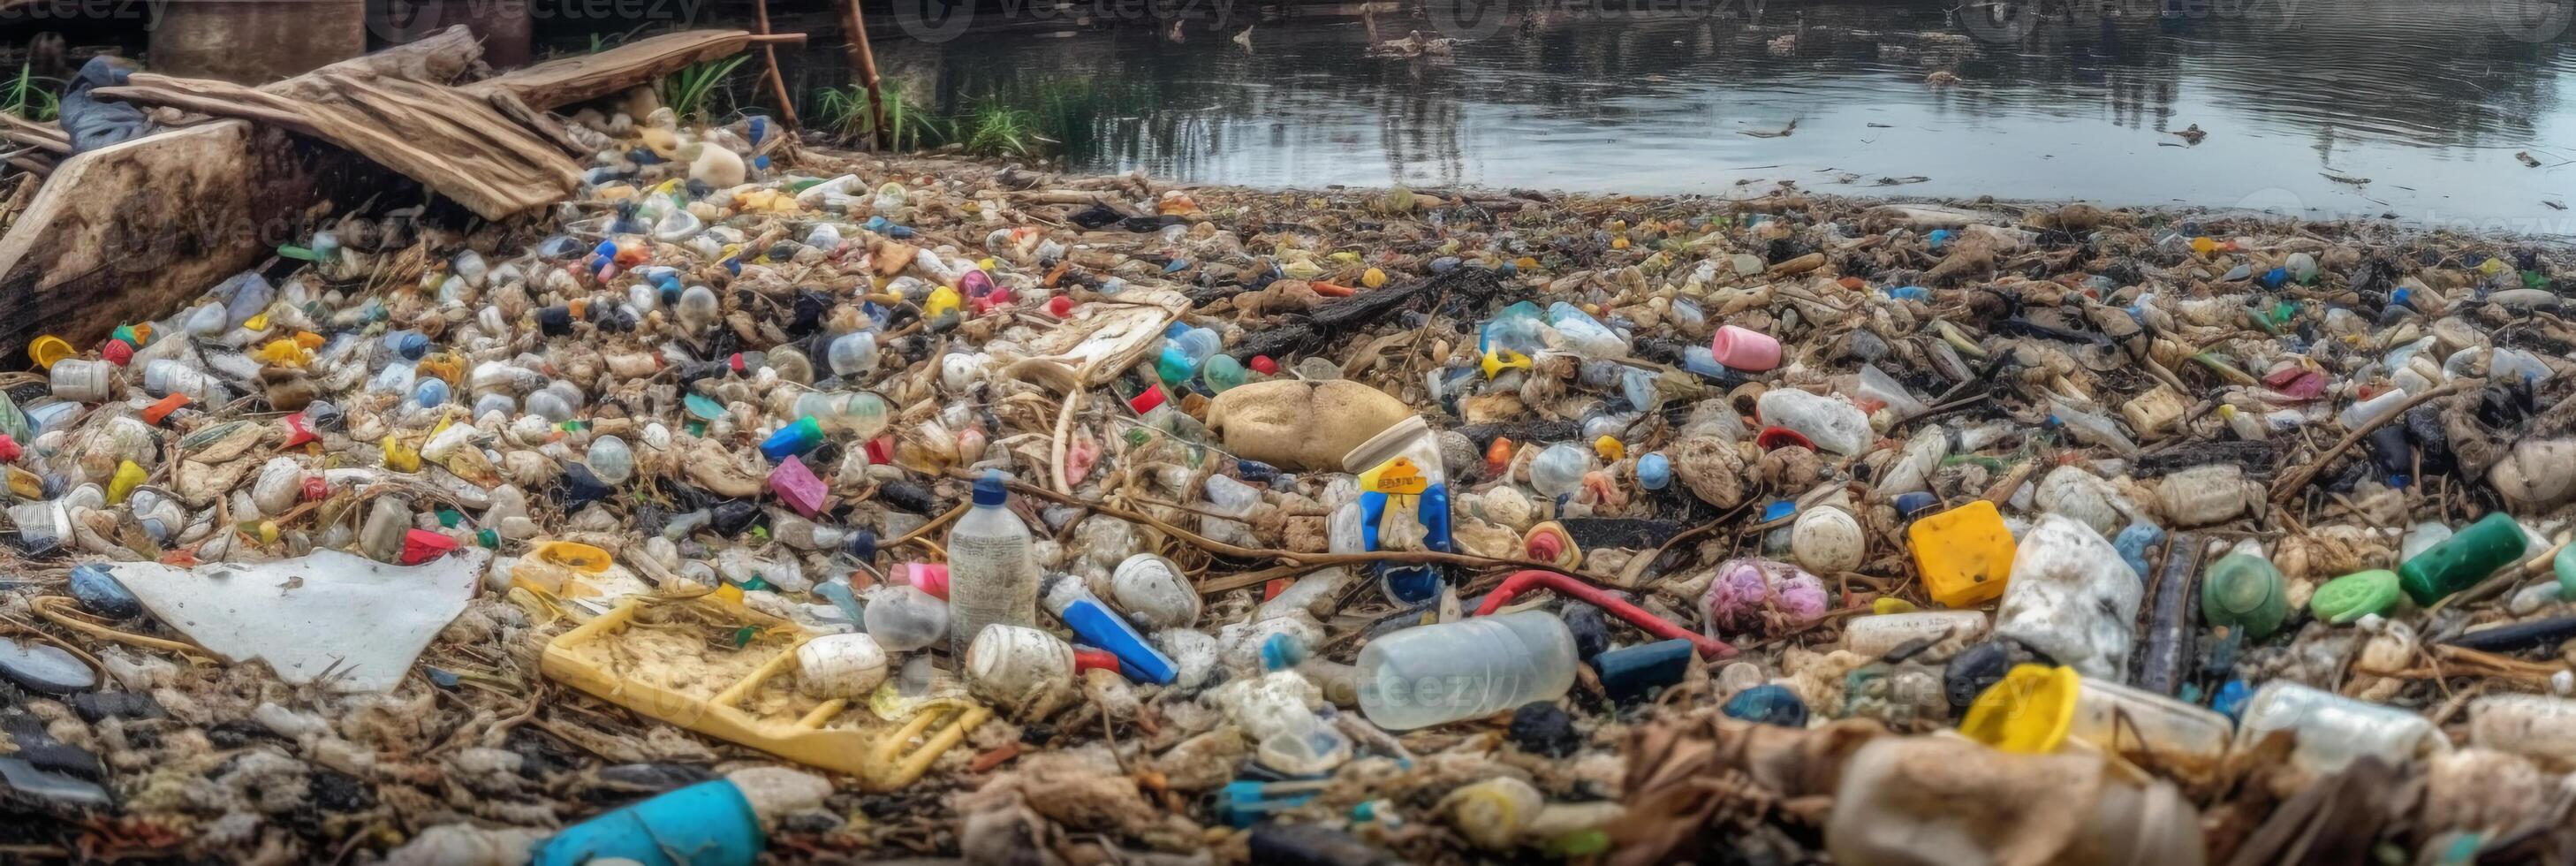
(1875, 636)
(2037, 709)
(2092, 429)
(82, 381)
(853, 355)
(1916, 801)
(713, 823)
(611, 460)
(991, 577)
(1832, 423)
(904, 618)
(1097, 625)
(2072, 598)
(2332, 730)
(2534, 726)
(163, 377)
(2362, 412)
(2244, 591)
(1430, 674)
(2462, 560)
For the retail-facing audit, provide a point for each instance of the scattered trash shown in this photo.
(1097, 519)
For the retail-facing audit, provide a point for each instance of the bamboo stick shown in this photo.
(769, 53)
(863, 60)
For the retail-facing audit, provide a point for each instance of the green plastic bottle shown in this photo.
(2462, 560)
(2246, 593)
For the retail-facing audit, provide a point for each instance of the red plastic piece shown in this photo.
(1521, 581)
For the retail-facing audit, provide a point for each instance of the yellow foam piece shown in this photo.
(1965, 554)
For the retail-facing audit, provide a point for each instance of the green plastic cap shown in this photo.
(2354, 596)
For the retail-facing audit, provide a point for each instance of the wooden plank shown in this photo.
(557, 83)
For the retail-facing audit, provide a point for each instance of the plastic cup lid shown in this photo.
(47, 349)
(2353, 596)
(2029, 711)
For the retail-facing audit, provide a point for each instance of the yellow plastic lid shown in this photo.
(2029, 711)
(579, 557)
(47, 349)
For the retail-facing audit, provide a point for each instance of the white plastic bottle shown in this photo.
(991, 577)
(1427, 675)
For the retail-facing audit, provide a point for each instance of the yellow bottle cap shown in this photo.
(47, 349)
(2029, 711)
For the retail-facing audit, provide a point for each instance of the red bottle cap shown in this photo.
(1060, 306)
(1145, 402)
(1263, 365)
(1086, 658)
(116, 352)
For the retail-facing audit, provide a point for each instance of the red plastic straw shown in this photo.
(1520, 581)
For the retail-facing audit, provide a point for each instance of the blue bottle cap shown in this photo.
(989, 489)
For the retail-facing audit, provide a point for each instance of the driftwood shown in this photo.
(1342, 318)
(558, 83)
(455, 143)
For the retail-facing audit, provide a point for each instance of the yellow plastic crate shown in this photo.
(884, 754)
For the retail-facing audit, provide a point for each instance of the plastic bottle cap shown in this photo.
(2029, 711)
(2354, 596)
(47, 349)
(989, 490)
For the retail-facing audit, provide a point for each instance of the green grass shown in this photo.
(690, 92)
(30, 96)
(844, 110)
(996, 128)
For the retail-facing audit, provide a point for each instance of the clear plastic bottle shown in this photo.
(611, 460)
(904, 618)
(853, 354)
(1833, 424)
(697, 309)
(991, 577)
(1430, 674)
(2332, 731)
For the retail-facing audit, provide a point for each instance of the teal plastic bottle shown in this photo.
(2462, 560)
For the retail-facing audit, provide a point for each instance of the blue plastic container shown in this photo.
(706, 824)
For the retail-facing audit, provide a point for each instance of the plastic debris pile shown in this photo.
(829, 508)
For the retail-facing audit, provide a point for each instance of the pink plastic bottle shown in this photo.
(1745, 349)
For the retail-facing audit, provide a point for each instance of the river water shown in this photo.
(2366, 109)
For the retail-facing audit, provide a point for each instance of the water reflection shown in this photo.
(2429, 101)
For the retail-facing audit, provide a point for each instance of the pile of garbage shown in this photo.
(797, 508)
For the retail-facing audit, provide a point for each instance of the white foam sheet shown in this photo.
(361, 621)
